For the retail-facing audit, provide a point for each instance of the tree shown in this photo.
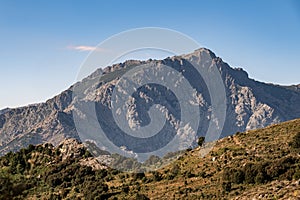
(201, 140)
(6, 187)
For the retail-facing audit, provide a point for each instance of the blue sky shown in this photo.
(42, 42)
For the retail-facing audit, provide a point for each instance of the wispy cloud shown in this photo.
(86, 48)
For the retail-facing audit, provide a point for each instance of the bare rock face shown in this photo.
(250, 104)
(35, 124)
(94, 163)
(71, 148)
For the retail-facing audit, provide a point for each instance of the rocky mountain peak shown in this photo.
(200, 51)
(250, 104)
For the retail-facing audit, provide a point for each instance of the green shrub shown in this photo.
(188, 174)
(156, 176)
(279, 167)
(295, 143)
(175, 170)
(125, 189)
(234, 175)
(226, 186)
(141, 197)
(260, 178)
(296, 175)
(138, 176)
(255, 173)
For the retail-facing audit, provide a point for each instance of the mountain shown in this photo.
(257, 164)
(4, 111)
(249, 104)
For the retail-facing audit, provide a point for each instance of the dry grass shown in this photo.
(201, 178)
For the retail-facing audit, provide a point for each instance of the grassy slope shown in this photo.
(269, 165)
(204, 177)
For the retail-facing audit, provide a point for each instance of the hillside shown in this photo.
(261, 163)
(250, 104)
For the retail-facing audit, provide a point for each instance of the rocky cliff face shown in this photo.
(37, 124)
(250, 104)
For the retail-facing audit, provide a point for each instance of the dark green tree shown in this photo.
(201, 140)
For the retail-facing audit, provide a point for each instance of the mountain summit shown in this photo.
(250, 104)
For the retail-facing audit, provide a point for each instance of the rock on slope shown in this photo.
(250, 104)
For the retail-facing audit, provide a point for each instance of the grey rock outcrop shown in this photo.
(4, 111)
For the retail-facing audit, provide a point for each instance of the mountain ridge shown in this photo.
(250, 104)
